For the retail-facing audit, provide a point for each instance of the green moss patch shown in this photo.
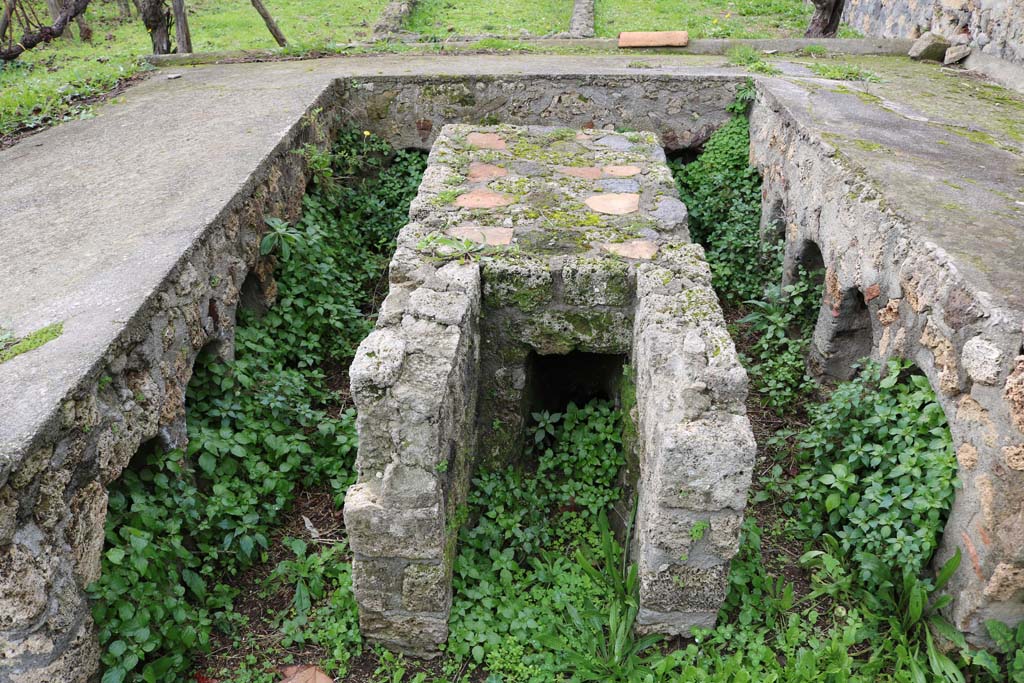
(31, 341)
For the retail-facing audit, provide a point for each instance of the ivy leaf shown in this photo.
(114, 675)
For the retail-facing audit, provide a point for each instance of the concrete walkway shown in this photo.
(96, 213)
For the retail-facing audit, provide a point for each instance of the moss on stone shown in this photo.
(519, 281)
(973, 134)
(450, 93)
(868, 146)
(514, 186)
(859, 94)
(446, 197)
(32, 341)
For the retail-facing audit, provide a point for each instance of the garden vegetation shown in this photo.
(856, 483)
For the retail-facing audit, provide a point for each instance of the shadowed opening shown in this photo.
(553, 381)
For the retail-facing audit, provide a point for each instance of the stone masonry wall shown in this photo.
(414, 382)
(551, 240)
(696, 446)
(53, 491)
(53, 503)
(995, 27)
(920, 307)
(409, 112)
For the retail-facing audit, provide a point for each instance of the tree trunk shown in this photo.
(5, 18)
(84, 30)
(55, 8)
(157, 21)
(825, 21)
(45, 34)
(271, 24)
(181, 27)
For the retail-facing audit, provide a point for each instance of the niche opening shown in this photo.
(555, 381)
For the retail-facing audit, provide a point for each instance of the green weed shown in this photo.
(838, 71)
(259, 427)
(747, 56)
(10, 347)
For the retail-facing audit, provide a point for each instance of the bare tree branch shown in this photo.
(271, 24)
(44, 34)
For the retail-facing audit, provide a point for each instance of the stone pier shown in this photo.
(540, 242)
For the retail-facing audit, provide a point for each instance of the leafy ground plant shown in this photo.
(840, 71)
(261, 427)
(780, 326)
(754, 61)
(723, 194)
(878, 472)
(515, 575)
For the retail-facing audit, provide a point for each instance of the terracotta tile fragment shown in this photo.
(621, 171)
(306, 674)
(614, 203)
(634, 249)
(479, 171)
(482, 199)
(588, 172)
(654, 39)
(494, 237)
(486, 141)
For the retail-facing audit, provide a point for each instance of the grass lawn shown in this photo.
(704, 18)
(474, 17)
(48, 83)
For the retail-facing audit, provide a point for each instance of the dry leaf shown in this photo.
(308, 674)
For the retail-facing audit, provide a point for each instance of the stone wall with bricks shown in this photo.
(543, 241)
(889, 292)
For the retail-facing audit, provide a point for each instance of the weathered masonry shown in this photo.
(853, 178)
(995, 27)
(147, 290)
(543, 242)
